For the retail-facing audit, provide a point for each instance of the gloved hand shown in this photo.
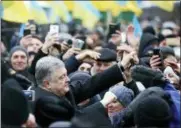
(147, 76)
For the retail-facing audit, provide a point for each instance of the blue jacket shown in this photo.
(175, 96)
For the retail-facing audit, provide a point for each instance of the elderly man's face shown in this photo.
(19, 61)
(100, 66)
(59, 82)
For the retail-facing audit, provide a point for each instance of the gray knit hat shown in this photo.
(124, 94)
(17, 48)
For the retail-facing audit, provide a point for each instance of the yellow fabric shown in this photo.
(15, 11)
(37, 14)
(59, 9)
(132, 6)
(115, 8)
(7, 4)
(165, 5)
(87, 17)
(69, 4)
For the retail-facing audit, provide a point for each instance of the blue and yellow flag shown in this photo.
(60, 9)
(69, 4)
(137, 26)
(85, 11)
(15, 11)
(37, 13)
(111, 6)
(132, 6)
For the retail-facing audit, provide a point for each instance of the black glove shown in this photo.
(147, 76)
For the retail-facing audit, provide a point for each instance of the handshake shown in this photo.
(109, 97)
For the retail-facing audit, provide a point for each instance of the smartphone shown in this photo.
(157, 51)
(78, 44)
(113, 28)
(30, 94)
(27, 32)
(54, 29)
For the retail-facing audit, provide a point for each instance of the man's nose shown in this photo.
(67, 79)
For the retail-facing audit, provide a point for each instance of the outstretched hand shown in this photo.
(131, 38)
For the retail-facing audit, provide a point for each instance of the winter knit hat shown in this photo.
(124, 95)
(152, 111)
(80, 76)
(17, 48)
(14, 107)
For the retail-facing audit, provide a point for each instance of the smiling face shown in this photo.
(59, 82)
(115, 106)
(19, 61)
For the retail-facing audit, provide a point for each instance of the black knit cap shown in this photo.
(14, 107)
(152, 111)
(107, 55)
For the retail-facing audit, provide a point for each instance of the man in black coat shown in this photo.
(56, 100)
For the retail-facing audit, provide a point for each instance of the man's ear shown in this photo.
(46, 84)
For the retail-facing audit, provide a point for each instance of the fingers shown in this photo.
(155, 60)
(130, 28)
(95, 55)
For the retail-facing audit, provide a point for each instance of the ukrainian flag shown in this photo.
(69, 4)
(111, 6)
(165, 5)
(138, 30)
(85, 11)
(130, 6)
(37, 13)
(60, 9)
(15, 11)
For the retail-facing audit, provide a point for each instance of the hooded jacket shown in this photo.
(146, 40)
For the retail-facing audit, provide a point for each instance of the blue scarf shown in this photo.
(116, 118)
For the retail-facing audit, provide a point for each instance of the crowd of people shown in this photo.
(80, 78)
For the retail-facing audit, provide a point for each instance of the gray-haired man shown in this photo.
(56, 100)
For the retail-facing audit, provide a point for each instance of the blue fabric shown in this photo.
(175, 96)
(136, 24)
(116, 118)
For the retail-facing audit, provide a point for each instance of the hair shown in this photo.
(37, 37)
(45, 67)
